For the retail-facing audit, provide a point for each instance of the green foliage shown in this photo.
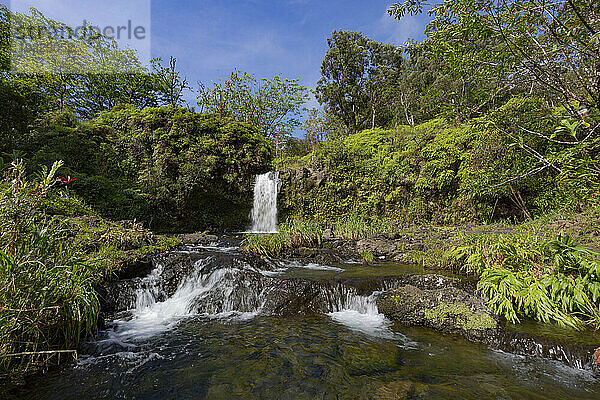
(51, 256)
(528, 276)
(355, 227)
(296, 233)
(356, 74)
(168, 82)
(367, 257)
(169, 167)
(535, 49)
(442, 173)
(292, 234)
(47, 300)
(271, 105)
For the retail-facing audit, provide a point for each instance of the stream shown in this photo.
(208, 322)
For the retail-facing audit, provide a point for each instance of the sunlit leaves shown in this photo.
(521, 275)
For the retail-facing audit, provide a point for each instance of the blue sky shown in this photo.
(288, 37)
(210, 38)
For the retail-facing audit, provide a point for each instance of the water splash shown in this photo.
(264, 210)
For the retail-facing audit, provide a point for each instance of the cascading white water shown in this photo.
(360, 313)
(264, 210)
(150, 316)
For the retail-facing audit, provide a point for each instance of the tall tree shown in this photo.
(82, 72)
(272, 105)
(547, 46)
(355, 75)
(169, 82)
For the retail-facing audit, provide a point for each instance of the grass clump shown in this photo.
(522, 275)
(47, 300)
(355, 227)
(296, 233)
(292, 234)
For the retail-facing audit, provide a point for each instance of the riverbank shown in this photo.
(55, 251)
(547, 269)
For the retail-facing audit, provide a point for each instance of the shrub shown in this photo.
(524, 275)
(46, 296)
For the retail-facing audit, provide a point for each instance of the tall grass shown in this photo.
(292, 234)
(46, 296)
(296, 233)
(356, 227)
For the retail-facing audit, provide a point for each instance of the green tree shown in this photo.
(85, 73)
(318, 126)
(535, 48)
(355, 77)
(272, 105)
(169, 82)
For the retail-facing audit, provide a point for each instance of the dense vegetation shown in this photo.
(53, 250)
(493, 117)
(128, 152)
(162, 166)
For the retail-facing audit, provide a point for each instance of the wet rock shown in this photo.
(199, 238)
(324, 256)
(136, 267)
(377, 246)
(116, 296)
(446, 309)
(395, 390)
(575, 355)
(308, 177)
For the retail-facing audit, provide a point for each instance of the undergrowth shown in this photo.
(292, 234)
(296, 233)
(524, 275)
(51, 256)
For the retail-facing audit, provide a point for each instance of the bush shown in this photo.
(440, 173)
(46, 296)
(528, 276)
(171, 168)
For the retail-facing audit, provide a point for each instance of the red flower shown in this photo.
(65, 180)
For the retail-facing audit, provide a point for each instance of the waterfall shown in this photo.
(264, 210)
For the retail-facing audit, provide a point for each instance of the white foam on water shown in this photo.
(214, 247)
(360, 313)
(318, 267)
(275, 272)
(151, 317)
(367, 323)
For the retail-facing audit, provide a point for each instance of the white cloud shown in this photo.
(399, 32)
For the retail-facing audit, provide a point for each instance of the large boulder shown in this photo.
(309, 177)
(446, 309)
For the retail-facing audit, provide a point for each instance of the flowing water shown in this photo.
(232, 327)
(264, 210)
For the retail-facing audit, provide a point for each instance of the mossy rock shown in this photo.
(447, 309)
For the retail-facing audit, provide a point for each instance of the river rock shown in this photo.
(446, 309)
(199, 238)
(376, 246)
